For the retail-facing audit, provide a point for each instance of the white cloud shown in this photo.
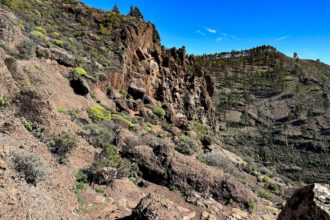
(200, 32)
(282, 38)
(210, 30)
(219, 39)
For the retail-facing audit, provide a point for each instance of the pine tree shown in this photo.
(135, 12)
(115, 9)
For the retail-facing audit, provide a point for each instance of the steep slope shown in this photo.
(274, 110)
(95, 115)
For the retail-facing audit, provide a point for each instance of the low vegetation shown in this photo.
(72, 113)
(35, 128)
(4, 101)
(125, 119)
(186, 145)
(30, 166)
(62, 145)
(98, 113)
(219, 161)
(104, 169)
(99, 135)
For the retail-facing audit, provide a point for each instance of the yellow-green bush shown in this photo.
(4, 101)
(200, 129)
(39, 35)
(98, 113)
(79, 71)
(123, 119)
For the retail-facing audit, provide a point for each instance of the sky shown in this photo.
(210, 26)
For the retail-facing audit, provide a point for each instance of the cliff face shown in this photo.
(166, 75)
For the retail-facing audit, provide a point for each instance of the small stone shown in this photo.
(99, 199)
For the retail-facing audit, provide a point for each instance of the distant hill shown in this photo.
(274, 109)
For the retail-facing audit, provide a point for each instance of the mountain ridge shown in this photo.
(98, 120)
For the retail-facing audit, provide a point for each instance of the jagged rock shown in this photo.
(164, 165)
(136, 92)
(140, 54)
(104, 175)
(151, 208)
(309, 203)
(62, 57)
(198, 71)
(156, 208)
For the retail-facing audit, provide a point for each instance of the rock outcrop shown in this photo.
(309, 203)
(165, 166)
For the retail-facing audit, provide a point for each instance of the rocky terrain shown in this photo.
(99, 121)
(274, 110)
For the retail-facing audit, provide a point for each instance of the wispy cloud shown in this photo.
(219, 39)
(282, 38)
(210, 30)
(200, 32)
(225, 36)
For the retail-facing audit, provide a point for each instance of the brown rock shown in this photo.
(311, 202)
(156, 208)
(164, 165)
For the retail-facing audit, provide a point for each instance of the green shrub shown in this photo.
(110, 157)
(159, 111)
(276, 189)
(59, 43)
(81, 177)
(154, 141)
(200, 129)
(39, 35)
(126, 120)
(77, 73)
(99, 135)
(186, 145)
(72, 113)
(265, 194)
(4, 101)
(80, 187)
(252, 206)
(81, 182)
(267, 180)
(29, 166)
(219, 161)
(134, 174)
(100, 190)
(27, 49)
(33, 127)
(18, 6)
(62, 145)
(98, 113)
(104, 170)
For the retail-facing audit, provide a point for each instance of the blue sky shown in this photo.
(209, 26)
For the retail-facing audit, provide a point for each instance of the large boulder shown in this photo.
(309, 203)
(136, 92)
(154, 207)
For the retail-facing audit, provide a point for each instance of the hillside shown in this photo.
(98, 120)
(274, 110)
